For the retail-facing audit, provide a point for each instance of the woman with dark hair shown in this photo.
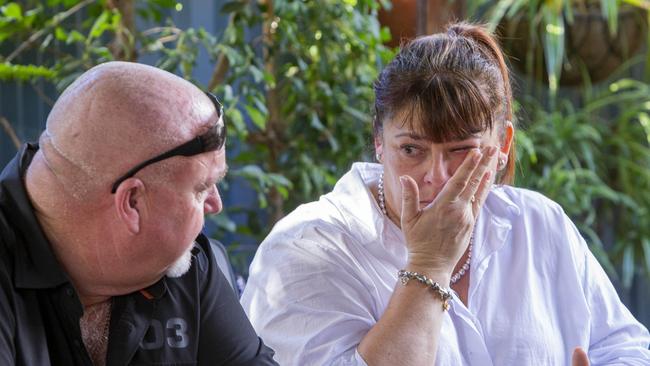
(430, 257)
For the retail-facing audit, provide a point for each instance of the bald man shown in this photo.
(102, 258)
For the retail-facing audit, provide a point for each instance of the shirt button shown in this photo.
(76, 343)
(69, 291)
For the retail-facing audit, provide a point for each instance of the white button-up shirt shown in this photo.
(325, 274)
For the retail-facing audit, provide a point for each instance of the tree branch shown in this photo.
(274, 128)
(41, 94)
(219, 73)
(221, 68)
(122, 46)
(10, 131)
(56, 20)
(154, 30)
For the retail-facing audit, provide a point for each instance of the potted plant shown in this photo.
(593, 157)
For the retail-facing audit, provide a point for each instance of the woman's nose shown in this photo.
(437, 170)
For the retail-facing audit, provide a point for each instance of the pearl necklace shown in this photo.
(463, 269)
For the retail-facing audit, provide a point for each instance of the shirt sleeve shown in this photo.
(306, 298)
(616, 337)
(226, 335)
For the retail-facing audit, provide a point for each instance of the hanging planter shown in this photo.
(590, 49)
(565, 42)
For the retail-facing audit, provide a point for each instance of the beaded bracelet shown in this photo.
(445, 295)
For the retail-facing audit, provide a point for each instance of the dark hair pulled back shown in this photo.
(448, 86)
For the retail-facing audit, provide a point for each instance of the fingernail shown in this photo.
(402, 180)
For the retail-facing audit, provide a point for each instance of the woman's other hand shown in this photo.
(580, 357)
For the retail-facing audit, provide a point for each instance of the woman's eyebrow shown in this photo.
(412, 135)
(468, 137)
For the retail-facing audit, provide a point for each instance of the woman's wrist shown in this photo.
(436, 274)
(441, 292)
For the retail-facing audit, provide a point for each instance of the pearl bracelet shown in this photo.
(445, 295)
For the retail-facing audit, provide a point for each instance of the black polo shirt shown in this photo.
(192, 320)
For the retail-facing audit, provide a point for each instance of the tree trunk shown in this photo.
(274, 128)
(122, 46)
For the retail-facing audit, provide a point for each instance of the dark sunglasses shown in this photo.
(212, 140)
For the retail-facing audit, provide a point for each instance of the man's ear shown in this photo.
(128, 203)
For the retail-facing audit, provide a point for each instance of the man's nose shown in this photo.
(213, 203)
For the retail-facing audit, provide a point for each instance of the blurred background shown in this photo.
(296, 81)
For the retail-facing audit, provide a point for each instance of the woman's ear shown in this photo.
(379, 152)
(506, 144)
(128, 203)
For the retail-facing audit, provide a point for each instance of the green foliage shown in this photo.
(593, 158)
(24, 72)
(305, 85)
(295, 78)
(548, 23)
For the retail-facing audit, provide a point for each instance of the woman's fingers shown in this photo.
(477, 179)
(481, 194)
(457, 183)
(410, 199)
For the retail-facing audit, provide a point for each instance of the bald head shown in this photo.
(116, 115)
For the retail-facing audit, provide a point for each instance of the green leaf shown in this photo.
(256, 73)
(235, 116)
(279, 180)
(100, 25)
(355, 113)
(609, 10)
(75, 36)
(25, 72)
(553, 41)
(223, 221)
(60, 34)
(316, 123)
(256, 116)
(12, 11)
(233, 6)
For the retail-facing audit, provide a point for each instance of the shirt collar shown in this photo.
(362, 215)
(357, 205)
(35, 263)
(493, 225)
(500, 204)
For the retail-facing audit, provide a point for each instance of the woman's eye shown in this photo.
(410, 150)
(462, 149)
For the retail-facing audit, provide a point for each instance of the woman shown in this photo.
(429, 257)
